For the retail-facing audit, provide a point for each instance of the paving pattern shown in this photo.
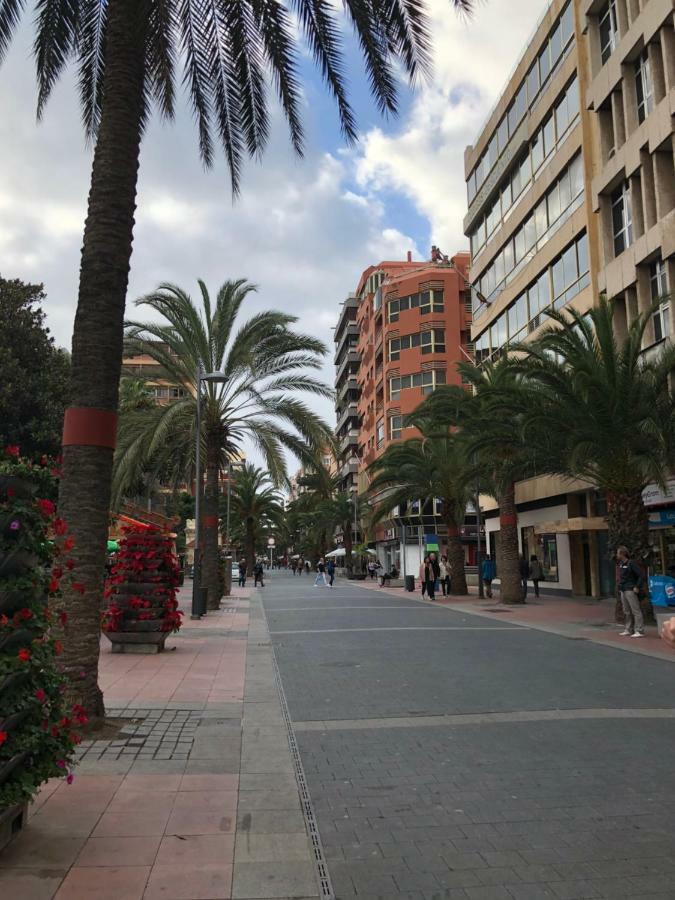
(453, 756)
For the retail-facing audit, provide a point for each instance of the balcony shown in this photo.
(352, 356)
(350, 411)
(349, 467)
(350, 383)
(350, 331)
(349, 439)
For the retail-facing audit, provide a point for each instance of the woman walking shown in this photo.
(536, 573)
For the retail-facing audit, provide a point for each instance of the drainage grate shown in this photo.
(307, 806)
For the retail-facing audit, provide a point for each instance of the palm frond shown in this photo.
(10, 15)
(55, 41)
(91, 47)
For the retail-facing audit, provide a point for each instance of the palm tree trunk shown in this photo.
(628, 525)
(210, 560)
(455, 557)
(508, 563)
(348, 547)
(91, 421)
(250, 545)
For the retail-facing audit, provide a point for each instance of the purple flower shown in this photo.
(14, 525)
(70, 778)
(61, 763)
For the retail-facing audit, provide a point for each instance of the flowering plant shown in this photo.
(38, 733)
(142, 584)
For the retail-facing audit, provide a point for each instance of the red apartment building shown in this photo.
(413, 322)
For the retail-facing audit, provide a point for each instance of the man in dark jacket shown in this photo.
(630, 580)
(258, 571)
(243, 568)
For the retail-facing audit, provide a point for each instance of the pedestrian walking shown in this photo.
(242, 572)
(524, 567)
(536, 573)
(630, 581)
(371, 569)
(306, 567)
(258, 572)
(487, 574)
(445, 576)
(435, 570)
(320, 574)
(423, 574)
(294, 566)
(330, 571)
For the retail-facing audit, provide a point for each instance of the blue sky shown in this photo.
(303, 230)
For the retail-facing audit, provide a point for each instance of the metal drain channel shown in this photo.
(307, 806)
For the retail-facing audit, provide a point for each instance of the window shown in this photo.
(392, 311)
(380, 433)
(658, 282)
(549, 136)
(426, 380)
(609, 30)
(394, 348)
(394, 388)
(518, 318)
(544, 64)
(482, 347)
(532, 83)
(395, 427)
(433, 341)
(643, 86)
(431, 301)
(622, 219)
(503, 133)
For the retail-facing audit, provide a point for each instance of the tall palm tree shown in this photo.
(257, 506)
(432, 467)
(135, 395)
(613, 409)
(263, 363)
(491, 419)
(127, 53)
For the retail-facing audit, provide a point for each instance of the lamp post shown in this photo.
(478, 552)
(195, 612)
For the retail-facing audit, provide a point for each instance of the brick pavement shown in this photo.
(448, 759)
(196, 797)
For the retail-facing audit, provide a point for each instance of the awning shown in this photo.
(572, 525)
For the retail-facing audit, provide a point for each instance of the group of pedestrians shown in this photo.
(434, 573)
(325, 573)
(258, 573)
(299, 566)
(530, 570)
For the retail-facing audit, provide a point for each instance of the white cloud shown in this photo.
(423, 158)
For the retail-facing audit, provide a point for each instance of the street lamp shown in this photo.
(196, 580)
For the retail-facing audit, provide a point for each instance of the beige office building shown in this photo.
(571, 191)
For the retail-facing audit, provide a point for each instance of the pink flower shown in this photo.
(70, 778)
(12, 450)
(61, 763)
(40, 695)
(14, 525)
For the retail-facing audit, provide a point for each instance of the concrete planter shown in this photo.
(137, 641)
(12, 821)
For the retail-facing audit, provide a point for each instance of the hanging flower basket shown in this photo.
(142, 609)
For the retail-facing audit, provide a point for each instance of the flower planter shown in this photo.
(12, 820)
(12, 722)
(7, 768)
(16, 640)
(137, 641)
(23, 488)
(12, 601)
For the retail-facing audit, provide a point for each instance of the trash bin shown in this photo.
(410, 583)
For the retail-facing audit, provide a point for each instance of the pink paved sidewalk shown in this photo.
(570, 616)
(144, 834)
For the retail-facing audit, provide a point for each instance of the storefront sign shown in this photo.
(653, 495)
(432, 542)
(663, 518)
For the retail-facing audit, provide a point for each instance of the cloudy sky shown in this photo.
(303, 229)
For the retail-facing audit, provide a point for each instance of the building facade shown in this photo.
(571, 192)
(398, 336)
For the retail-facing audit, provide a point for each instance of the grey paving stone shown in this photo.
(271, 847)
(273, 880)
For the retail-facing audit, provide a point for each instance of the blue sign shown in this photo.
(662, 518)
(432, 542)
(662, 590)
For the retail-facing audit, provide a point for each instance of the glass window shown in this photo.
(609, 30)
(576, 176)
(499, 268)
(380, 433)
(561, 117)
(541, 218)
(537, 150)
(395, 427)
(394, 349)
(566, 24)
(530, 233)
(532, 83)
(658, 281)
(519, 244)
(503, 133)
(544, 64)
(394, 388)
(544, 290)
(569, 259)
(502, 330)
(549, 136)
(553, 202)
(493, 151)
(622, 219)
(582, 254)
(565, 192)
(508, 257)
(471, 186)
(556, 44)
(558, 278)
(518, 317)
(643, 86)
(573, 99)
(506, 198)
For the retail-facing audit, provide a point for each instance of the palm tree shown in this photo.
(261, 363)
(613, 409)
(257, 506)
(491, 420)
(433, 467)
(135, 395)
(126, 52)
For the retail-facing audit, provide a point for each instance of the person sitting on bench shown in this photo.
(385, 577)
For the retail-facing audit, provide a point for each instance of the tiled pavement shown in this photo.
(196, 798)
(454, 755)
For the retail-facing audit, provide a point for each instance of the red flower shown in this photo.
(25, 614)
(3, 737)
(78, 586)
(60, 527)
(53, 585)
(44, 460)
(63, 617)
(24, 654)
(58, 648)
(69, 543)
(70, 564)
(40, 695)
(70, 778)
(10, 492)
(57, 572)
(47, 508)
(12, 450)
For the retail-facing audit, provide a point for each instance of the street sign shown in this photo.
(271, 542)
